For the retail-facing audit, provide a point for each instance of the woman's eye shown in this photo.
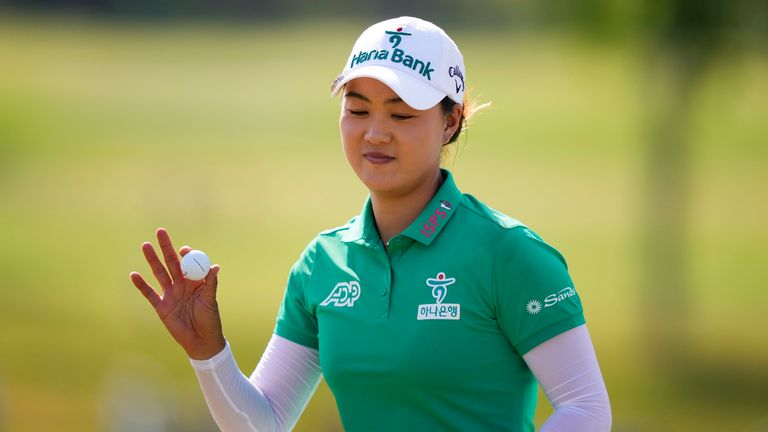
(358, 112)
(401, 116)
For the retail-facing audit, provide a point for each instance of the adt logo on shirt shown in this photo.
(439, 310)
(343, 294)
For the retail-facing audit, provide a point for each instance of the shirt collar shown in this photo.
(424, 229)
(435, 216)
(362, 228)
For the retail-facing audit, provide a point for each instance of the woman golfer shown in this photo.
(428, 311)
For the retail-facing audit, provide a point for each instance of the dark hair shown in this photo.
(469, 108)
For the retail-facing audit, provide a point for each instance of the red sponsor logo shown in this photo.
(433, 222)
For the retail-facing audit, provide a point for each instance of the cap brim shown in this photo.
(413, 91)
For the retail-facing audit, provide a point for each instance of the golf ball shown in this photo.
(195, 265)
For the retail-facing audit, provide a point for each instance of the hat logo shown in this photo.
(336, 81)
(422, 67)
(455, 73)
(395, 37)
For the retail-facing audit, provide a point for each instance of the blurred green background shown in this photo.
(639, 151)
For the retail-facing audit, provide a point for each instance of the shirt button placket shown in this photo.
(393, 254)
(386, 285)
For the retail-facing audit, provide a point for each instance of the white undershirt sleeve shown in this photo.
(274, 396)
(567, 369)
(287, 375)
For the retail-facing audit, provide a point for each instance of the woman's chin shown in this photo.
(378, 182)
(380, 187)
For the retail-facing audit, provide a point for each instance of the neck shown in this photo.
(394, 212)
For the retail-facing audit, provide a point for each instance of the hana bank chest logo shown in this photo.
(439, 310)
(534, 306)
(398, 55)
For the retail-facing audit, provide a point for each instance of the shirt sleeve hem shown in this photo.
(296, 336)
(549, 332)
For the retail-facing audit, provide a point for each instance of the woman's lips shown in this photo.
(378, 158)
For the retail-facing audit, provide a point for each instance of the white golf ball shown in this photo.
(195, 265)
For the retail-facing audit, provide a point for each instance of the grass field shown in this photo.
(227, 136)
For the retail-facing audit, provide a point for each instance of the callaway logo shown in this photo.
(398, 56)
(439, 310)
(455, 73)
(534, 306)
(343, 294)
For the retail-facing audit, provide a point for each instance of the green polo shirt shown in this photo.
(429, 334)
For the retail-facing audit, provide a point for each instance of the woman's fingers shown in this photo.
(171, 259)
(184, 250)
(146, 290)
(213, 274)
(157, 267)
(212, 280)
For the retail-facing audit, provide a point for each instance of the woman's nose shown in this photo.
(377, 133)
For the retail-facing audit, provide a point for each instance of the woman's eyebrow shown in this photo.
(357, 95)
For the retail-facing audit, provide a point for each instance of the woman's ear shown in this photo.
(452, 122)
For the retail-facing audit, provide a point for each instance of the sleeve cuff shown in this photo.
(299, 337)
(549, 332)
(214, 361)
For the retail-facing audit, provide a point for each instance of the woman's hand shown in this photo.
(187, 308)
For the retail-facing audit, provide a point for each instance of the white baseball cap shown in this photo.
(415, 58)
